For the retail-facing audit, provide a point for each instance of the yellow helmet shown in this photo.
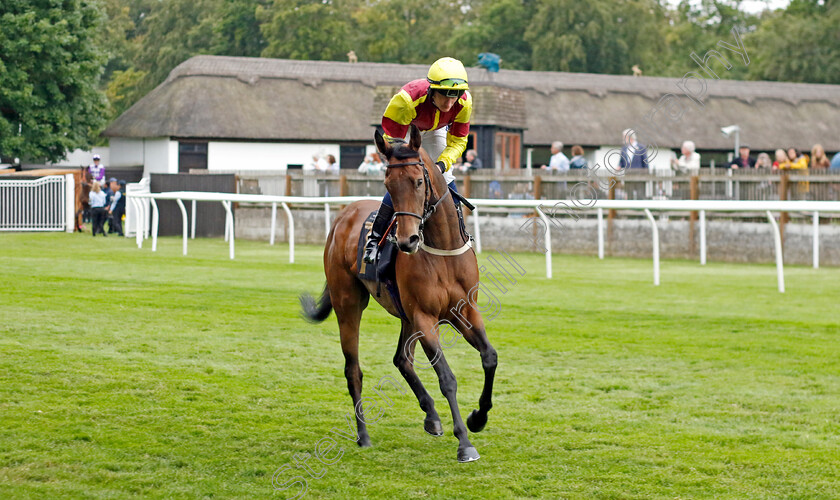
(449, 76)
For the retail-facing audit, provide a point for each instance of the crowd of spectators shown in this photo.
(635, 156)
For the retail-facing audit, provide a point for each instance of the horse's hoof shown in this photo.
(468, 454)
(433, 427)
(364, 442)
(476, 421)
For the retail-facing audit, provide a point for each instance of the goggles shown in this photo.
(451, 92)
(448, 82)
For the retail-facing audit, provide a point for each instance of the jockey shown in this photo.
(440, 107)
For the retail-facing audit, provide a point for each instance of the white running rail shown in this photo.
(544, 208)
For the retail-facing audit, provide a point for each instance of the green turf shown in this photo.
(126, 372)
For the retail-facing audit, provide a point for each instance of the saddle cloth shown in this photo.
(383, 271)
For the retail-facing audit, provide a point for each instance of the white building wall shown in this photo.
(160, 156)
(126, 152)
(83, 158)
(264, 156)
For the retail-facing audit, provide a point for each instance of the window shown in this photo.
(192, 155)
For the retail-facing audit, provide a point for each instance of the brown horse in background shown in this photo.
(434, 289)
(84, 181)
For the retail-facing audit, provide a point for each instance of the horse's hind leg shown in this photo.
(403, 361)
(349, 299)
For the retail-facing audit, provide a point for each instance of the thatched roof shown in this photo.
(282, 100)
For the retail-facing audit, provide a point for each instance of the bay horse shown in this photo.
(84, 181)
(435, 272)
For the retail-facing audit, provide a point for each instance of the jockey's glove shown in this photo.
(442, 166)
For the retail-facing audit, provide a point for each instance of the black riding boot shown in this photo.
(380, 224)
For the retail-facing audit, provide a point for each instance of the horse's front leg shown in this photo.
(448, 385)
(477, 337)
(404, 361)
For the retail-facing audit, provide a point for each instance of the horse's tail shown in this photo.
(316, 312)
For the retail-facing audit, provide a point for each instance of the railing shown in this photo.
(711, 184)
(44, 204)
(766, 208)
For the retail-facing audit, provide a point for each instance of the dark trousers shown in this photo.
(116, 222)
(99, 214)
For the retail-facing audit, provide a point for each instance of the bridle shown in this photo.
(429, 207)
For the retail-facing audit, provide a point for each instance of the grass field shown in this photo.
(124, 372)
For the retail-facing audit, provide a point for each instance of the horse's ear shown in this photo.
(415, 138)
(381, 145)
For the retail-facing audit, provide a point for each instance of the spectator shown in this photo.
(558, 161)
(633, 154)
(782, 161)
(763, 161)
(370, 166)
(97, 170)
(818, 157)
(117, 207)
(578, 162)
(798, 160)
(108, 188)
(744, 159)
(318, 165)
(473, 161)
(494, 190)
(332, 165)
(98, 200)
(835, 162)
(689, 161)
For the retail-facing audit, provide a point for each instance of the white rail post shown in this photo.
(146, 225)
(545, 220)
(138, 231)
(192, 220)
(227, 227)
(601, 233)
(816, 240)
(290, 221)
(229, 224)
(183, 222)
(477, 231)
(273, 222)
(326, 221)
(155, 223)
(702, 237)
(655, 247)
(777, 239)
(70, 202)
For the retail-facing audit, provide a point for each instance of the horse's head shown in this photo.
(408, 182)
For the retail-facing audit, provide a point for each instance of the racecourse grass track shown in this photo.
(126, 372)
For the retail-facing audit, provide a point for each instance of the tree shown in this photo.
(50, 65)
(174, 31)
(495, 26)
(306, 29)
(800, 44)
(405, 32)
(598, 36)
(238, 31)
